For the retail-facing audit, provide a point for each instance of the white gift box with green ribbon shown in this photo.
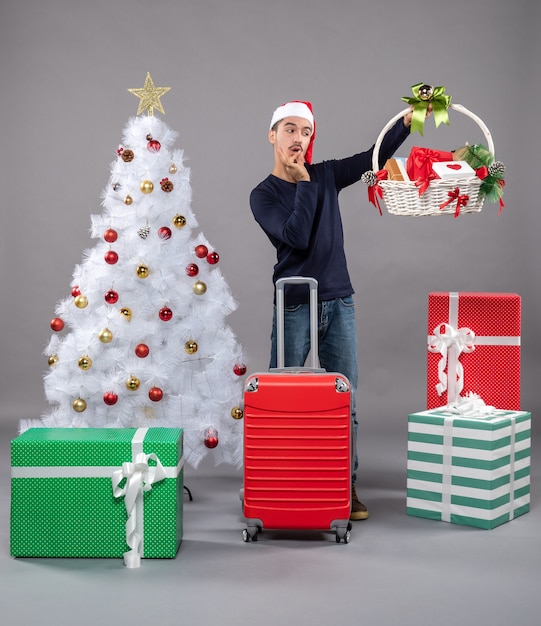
(97, 492)
(473, 471)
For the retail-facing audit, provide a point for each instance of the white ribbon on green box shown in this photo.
(139, 476)
(451, 342)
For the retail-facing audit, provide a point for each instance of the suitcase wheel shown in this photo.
(250, 533)
(343, 533)
(346, 537)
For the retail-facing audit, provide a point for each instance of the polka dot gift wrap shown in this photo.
(474, 347)
(63, 497)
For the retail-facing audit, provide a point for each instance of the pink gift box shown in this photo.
(474, 347)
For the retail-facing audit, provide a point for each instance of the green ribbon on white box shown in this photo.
(462, 454)
(139, 477)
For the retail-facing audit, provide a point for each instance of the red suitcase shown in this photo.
(297, 442)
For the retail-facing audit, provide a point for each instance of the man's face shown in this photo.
(292, 134)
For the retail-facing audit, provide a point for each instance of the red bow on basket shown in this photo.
(374, 190)
(423, 183)
(461, 200)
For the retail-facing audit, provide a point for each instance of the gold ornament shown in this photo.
(237, 413)
(85, 362)
(172, 168)
(142, 271)
(147, 186)
(81, 302)
(53, 360)
(79, 405)
(149, 96)
(126, 313)
(191, 347)
(105, 335)
(128, 200)
(179, 221)
(133, 383)
(199, 288)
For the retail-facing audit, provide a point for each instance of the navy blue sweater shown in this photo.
(303, 222)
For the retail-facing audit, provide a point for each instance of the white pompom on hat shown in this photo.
(297, 108)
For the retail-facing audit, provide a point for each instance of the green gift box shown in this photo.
(473, 471)
(97, 492)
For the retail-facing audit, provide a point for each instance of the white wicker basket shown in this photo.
(402, 197)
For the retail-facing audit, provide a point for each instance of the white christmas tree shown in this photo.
(142, 339)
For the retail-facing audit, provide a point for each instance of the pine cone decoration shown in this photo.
(166, 185)
(369, 178)
(496, 169)
(127, 155)
(144, 232)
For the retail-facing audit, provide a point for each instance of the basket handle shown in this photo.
(456, 107)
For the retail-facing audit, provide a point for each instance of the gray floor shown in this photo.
(396, 569)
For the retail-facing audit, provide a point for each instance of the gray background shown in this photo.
(65, 74)
(65, 69)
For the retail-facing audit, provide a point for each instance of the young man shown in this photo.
(297, 207)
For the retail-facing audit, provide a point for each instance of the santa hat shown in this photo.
(297, 108)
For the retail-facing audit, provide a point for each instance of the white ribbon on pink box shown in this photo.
(451, 342)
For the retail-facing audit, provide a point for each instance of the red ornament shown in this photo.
(120, 150)
(201, 251)
(111, 296)
(239, 369)
(155, 394)
(211, 438)
(57, 324)
(111, 257)
(110, 235)
(75, 291)
(142, 350)
(165, 314)
(192, 269)
(154, 145)
(164, 232)
(110, 398)
(213, 258)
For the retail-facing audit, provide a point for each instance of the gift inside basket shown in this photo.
(432, 194)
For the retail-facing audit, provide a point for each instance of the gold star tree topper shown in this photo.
(149, 96)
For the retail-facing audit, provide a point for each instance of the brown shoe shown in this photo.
(358, 510)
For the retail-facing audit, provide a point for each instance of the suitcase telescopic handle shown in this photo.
(280, 306)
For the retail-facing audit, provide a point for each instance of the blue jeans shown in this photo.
(337, 345)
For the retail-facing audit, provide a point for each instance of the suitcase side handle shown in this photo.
(280, 305)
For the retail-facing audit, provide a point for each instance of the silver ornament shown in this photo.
(144, 232)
